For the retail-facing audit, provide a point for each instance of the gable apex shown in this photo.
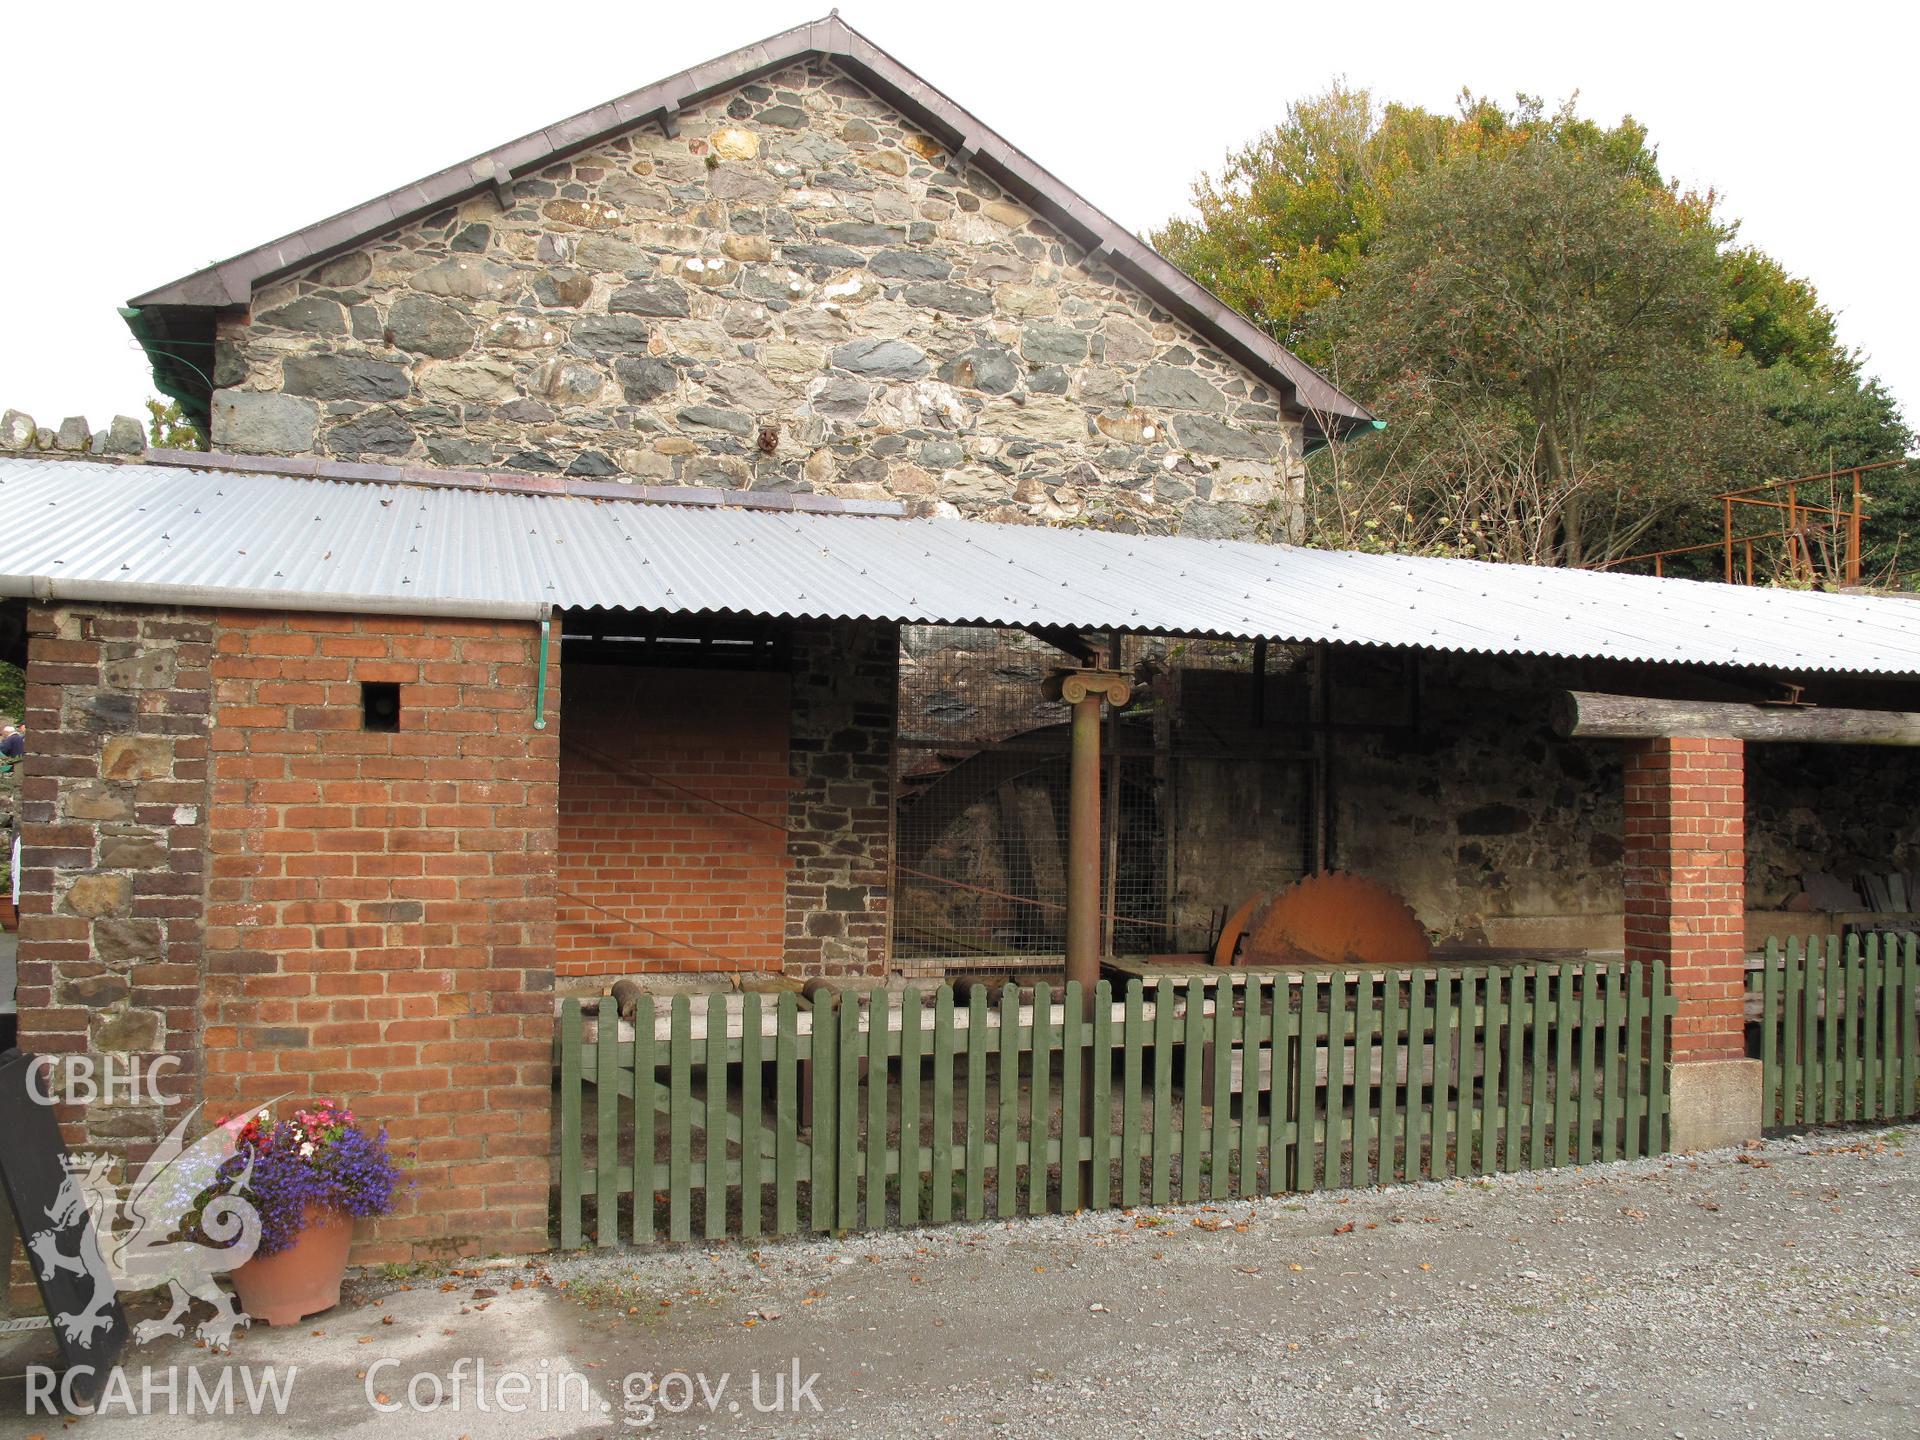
(180, 313)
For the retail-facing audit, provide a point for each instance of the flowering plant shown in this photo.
(318, 1155)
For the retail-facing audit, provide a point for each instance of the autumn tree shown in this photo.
(1572, 354)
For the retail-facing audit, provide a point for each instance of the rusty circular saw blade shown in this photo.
(1336, 918)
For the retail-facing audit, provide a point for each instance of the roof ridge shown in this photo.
(970, 141)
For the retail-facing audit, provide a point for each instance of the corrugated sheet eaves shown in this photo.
(100, 524)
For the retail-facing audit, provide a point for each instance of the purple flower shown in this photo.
(317, 1158)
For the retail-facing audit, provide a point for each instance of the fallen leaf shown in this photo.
(1346, 1229)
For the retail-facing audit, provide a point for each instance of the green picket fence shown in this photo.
(750, 1115)
(1838, 1038)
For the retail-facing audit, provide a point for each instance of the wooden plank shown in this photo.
(1393, 1054)
(1465, 1112)
(1305, 1081)
(1419, 1017)
(1445, 1035)
(1193, 1049)
(1770, 1034)
(1006, 1175)
(1364, 1050)
(1133, 1028)
(940, 1186)
(1100, 1103)
(1073, 1077)
(680, 1120)
(879, 1096)
(645, 1107)
(1801, 986)
(847, 1129)
(1513, 1092)
(752, 1117)
(1830, 1068)
(976, 1102)
(824, 1190)
(1339, 1020)
(1540, 977)
(1220, 1044)
(1852, 973)
(1492, 1041)
(912, 1049)
(1566, 1019)
(1590, 1020)
(1612, 1082)
(1280, 1110)
(1909, 1025)
(606, 1115)
(1587, 715)
(1890, 1029)
(786, 1115)
(1638, 1011)
(1872, 981)
(1040, 1110)
(713, 1143)
(571, 1139)
(1657, 1049)
(1255, 1032)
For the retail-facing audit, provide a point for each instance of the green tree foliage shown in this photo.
(1572, 354)
(169, 429)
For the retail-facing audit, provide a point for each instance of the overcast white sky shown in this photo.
(145, 143)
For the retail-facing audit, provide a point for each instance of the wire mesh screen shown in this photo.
(1205, 792)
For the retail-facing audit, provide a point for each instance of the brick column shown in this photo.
(1685, 873)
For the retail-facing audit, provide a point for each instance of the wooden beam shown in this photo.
(1587, 716)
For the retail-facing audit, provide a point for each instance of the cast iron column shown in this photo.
(1084, 690)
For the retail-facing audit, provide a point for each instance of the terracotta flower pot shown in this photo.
(9, 914)
(303, 1279)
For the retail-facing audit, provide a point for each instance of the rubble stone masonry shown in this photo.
(113, 812)
(798, 292)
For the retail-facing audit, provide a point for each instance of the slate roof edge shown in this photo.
(231, 283)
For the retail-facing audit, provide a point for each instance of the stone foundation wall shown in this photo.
(799, 292)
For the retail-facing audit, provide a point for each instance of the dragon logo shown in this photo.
(136, 1241)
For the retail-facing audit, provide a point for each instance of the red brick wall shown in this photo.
(673, 807)
(1685, 878)
(380, 906)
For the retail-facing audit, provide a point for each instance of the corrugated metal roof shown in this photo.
(86, 527)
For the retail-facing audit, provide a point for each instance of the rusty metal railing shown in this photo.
(1801, 525)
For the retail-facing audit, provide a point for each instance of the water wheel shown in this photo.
(1334, 918)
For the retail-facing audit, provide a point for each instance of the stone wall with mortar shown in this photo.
(800, 292)
(1497, 831)
(840, 758)
(113, 808)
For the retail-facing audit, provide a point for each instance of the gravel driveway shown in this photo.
(1771, 1291)
(1766, 1292)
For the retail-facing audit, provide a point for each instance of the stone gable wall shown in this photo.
(798, 293)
